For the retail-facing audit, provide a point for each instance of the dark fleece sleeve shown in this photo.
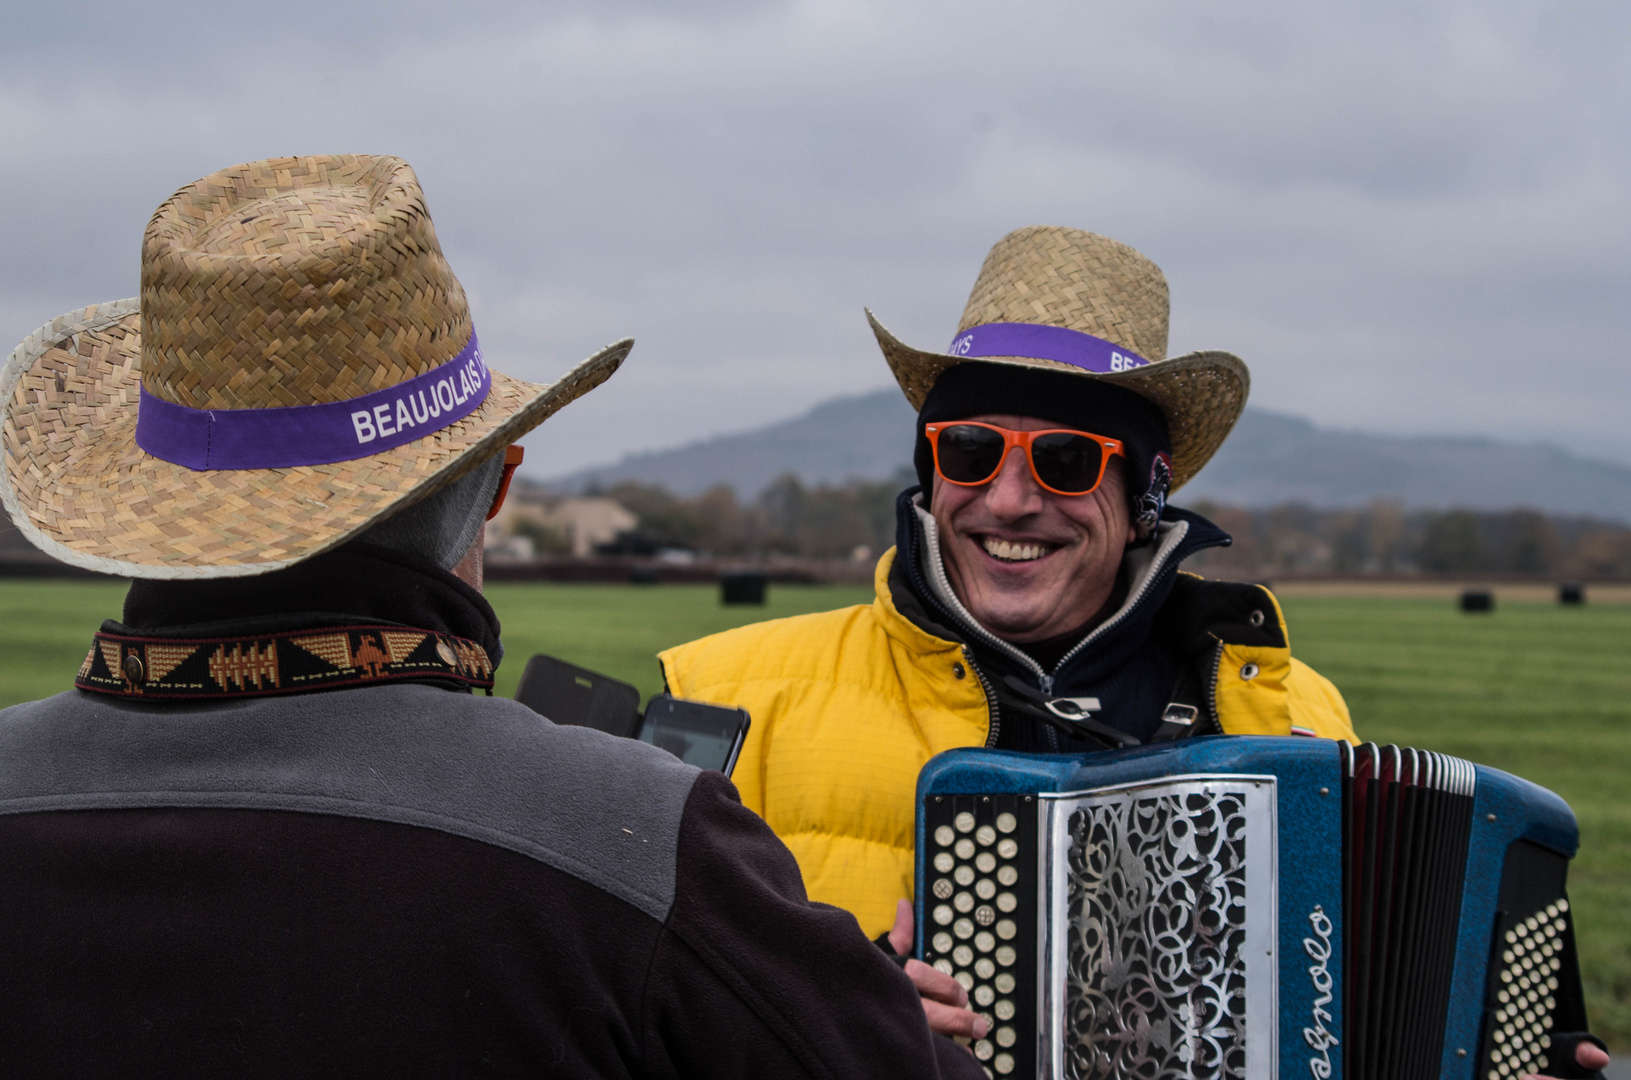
(751, 979)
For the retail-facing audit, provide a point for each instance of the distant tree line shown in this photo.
(825, 522)
(787, 518)
(1384, 539)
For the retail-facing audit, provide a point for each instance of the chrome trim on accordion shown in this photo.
(1159, 964)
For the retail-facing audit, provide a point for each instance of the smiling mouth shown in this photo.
(1006, 551)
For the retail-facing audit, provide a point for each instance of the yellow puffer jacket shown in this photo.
(848, 705)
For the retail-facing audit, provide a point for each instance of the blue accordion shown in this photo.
(1249, 907)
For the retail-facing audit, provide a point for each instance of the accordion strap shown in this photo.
(1066, 714)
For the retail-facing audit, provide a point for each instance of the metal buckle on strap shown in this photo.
(1177, 722)
(1072, 708)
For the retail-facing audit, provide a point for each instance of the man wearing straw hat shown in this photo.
(271, 830)
(1033, 600)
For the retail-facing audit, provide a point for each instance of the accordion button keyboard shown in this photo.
(983, 1049)
(962, 956)
(964, 822)
(984, 995)
(985, 943)
(944, 836)
(964, 875)
(985, 836)
(1006, 956)
(963, 902)
(985, 915)
(963, 928)
(985, 888)
(984, 968)
(944, 861)
(1006, 902)
(1007, 849)
(1007, 823)
(1007, 875)
(985, 862)
(943, 914)
(1004, 1010)
(964, 848)
(942, 942)
(1006, 929)
(942, 889)
(1003, 1063)
(1005, 1036)
(1005, 985)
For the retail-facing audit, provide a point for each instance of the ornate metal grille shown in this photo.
(1155, 946)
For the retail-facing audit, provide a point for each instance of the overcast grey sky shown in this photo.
(1406, 217)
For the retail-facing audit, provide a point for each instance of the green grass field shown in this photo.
(1538, 690)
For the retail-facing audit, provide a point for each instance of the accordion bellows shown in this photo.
(1249, 907)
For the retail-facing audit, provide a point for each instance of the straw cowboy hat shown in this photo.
(1073, 301)
(300, 365)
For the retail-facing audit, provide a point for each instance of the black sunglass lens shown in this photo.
(1066, 462)
(968, 454)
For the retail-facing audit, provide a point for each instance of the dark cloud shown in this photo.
(1407, 217)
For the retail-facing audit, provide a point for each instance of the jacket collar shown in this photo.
(929, 603)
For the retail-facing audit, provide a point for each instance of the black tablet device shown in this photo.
(707, 736)
(569, 694)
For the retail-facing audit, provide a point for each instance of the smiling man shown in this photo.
(1033, 600)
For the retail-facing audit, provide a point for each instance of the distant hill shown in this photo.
(868, 437)
(1270, 459)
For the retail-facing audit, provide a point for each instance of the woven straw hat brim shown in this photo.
(79, 488)
(1201, 393)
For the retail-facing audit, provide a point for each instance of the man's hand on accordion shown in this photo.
(1588, 1055)
(945, 1002)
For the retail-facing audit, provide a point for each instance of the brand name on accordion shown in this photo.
(1318, 948)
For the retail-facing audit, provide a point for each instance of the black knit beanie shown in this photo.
(974, 389)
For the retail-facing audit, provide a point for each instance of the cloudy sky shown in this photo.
(1406, 217)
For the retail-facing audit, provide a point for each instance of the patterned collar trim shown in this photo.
(284, 662)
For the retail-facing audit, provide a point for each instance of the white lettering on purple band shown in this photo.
(289, 436)
(1045, 343)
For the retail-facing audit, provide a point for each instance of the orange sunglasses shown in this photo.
(512, 458)
(1066, 462)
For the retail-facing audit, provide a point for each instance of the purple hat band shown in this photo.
(291, 435)
(1045, 343)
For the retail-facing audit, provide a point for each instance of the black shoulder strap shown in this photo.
(1066, 714)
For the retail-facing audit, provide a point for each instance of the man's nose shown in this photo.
(1014, 492)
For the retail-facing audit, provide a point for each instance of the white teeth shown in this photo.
(1002, 549)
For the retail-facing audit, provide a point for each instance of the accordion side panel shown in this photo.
(1509, 815)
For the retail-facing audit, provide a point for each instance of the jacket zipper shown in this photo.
(964, 620)
(992, 709)
(1156, 568)
(1212, 688)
